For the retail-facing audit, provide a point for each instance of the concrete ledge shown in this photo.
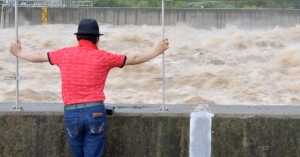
(139, 130)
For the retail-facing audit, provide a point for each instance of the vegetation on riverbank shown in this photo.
(195, 4)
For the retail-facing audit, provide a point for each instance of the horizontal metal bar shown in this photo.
(163, 79)
(15, 78)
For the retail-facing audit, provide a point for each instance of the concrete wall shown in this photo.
(256, 136)
(36, 134)
(40, 134)
(198, 18)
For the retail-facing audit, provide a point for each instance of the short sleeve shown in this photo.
(54, 57)
(117, 60)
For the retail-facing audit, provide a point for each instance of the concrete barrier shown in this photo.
(139, 130)
(197, 18)
(33, 134)
(256, 136)
(133, 131)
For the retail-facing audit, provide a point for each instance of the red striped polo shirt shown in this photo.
(84, 69)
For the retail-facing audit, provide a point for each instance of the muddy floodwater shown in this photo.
(229, 66)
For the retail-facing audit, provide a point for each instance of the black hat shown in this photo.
(88, 27)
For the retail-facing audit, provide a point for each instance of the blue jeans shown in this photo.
(86, 130)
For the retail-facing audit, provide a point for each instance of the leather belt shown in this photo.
(84, 105)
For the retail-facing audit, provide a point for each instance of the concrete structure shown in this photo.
(198, 18)
(139, 130)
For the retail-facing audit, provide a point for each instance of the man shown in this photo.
(84, 69)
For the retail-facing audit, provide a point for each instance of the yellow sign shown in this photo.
(44, 15)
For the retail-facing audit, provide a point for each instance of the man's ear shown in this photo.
(97, 40)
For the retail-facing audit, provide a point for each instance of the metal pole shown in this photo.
(2, 16)
(17, 60)
(163, 56)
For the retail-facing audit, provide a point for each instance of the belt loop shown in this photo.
(76, 107)
(84, 105)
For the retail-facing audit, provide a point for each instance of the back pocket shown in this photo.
(71, 125)
(97, 124)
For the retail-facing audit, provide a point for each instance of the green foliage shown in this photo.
(176, 4)
(249, 6)
(113, 3)
(155, 3)
(280, 5)
(214, 5)
(243, 4)
(195, 4)
(143, 4)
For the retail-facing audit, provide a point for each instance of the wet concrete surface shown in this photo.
(172, 109)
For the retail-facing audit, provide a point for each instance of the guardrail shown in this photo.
(47, 3)
(81, 4)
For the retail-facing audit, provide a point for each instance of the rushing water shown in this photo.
(229, 66)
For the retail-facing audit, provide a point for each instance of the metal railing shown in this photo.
(52, 3)
(47, 3)
(81, 4)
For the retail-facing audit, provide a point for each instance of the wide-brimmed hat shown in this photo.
(88, 27)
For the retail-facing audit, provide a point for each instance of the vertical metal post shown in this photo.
(16, 77)
(163, 108)
(2, 16)
(17, 60)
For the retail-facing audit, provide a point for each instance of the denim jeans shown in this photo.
(86, 130)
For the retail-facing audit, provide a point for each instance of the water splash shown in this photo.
(229, 66)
